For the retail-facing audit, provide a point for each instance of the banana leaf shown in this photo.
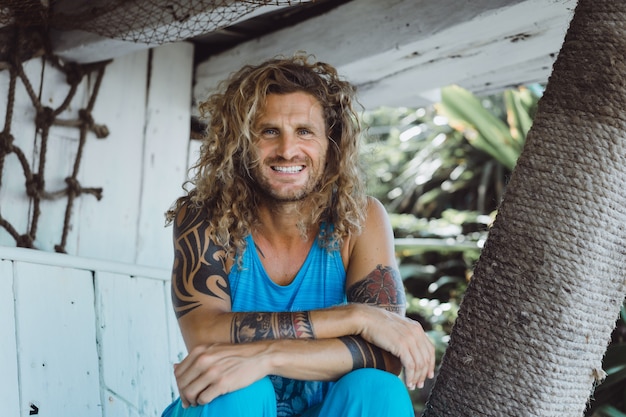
(481, 128)
(518, 105)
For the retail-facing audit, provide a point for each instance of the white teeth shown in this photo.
(290, 170)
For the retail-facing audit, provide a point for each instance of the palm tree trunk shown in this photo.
(538, 314)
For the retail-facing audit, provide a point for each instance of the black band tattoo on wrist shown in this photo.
(249, 327)
(382, 287)
(364, 355)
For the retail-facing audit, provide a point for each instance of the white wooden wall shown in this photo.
(145, 101)
(92, 333)
(86, 338)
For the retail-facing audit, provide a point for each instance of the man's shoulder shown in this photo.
(189, 215)
(374, 212)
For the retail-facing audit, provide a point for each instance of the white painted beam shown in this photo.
(398, 50)
(512, 46)
(38, 257)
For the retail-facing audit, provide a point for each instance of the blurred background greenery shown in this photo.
(441, 171)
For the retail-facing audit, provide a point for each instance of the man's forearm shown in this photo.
(324, 359)
(364, 355)
(367, 355)
(250, 327)
(324, 323)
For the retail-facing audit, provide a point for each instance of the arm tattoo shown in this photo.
(199, 264)
(364, 355)
(382, 287)
(248, 327)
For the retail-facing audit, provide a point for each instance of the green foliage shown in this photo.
(609, 411)
(421, 166)
(501, 139)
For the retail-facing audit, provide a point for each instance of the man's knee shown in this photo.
(260, 394)
(257, 399)
(368, 392)
(368, 381)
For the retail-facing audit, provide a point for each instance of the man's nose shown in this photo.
(287, 145)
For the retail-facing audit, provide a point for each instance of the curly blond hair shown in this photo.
(222, 181)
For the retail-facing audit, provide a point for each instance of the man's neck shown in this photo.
(281, 221)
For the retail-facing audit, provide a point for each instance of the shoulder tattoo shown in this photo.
(383, 287)
(249, 327)
(199, 265)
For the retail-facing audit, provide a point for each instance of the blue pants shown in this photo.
(364, 392)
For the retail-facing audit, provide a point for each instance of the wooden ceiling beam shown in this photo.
(397, 52)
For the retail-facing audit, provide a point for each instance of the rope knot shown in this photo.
(73, 185)
(34, 186)
(6, 143)
(45, 117)
(101, 131)
(59, 249)
(24, 241)
(74, 73)
(85, 116)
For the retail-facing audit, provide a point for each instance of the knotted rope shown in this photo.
(45, 118)
(538, 314)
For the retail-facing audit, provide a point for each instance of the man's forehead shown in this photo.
(298, 100)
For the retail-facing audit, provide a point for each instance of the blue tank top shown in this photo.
(319, 283)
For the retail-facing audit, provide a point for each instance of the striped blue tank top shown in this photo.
(319, 283)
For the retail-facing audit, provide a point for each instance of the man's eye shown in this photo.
(270, 132)
(304, 132)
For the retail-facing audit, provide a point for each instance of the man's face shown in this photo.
(291, 146)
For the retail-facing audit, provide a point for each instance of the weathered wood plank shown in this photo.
(512, 46)
(177, 349)
(58, 360)
(165, 150)
(62, 149)
(194, 152)
(386, 48)
(9, 383)
(115, 165)
(133, 340)
(89, 264)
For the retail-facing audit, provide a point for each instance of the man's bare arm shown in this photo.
(250, 327)
(199, 266)
(382, 288)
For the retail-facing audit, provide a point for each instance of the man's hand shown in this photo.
(403, 338)
(213, 370)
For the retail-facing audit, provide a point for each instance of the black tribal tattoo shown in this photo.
(364, 355)
(248, 327)
(199, 265)
(382, 287)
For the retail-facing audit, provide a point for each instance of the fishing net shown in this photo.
(150, 22)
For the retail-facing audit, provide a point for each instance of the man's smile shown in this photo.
(293, 169)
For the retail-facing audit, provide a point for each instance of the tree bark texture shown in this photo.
(538, 314)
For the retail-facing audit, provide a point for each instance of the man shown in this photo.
(285, 283)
